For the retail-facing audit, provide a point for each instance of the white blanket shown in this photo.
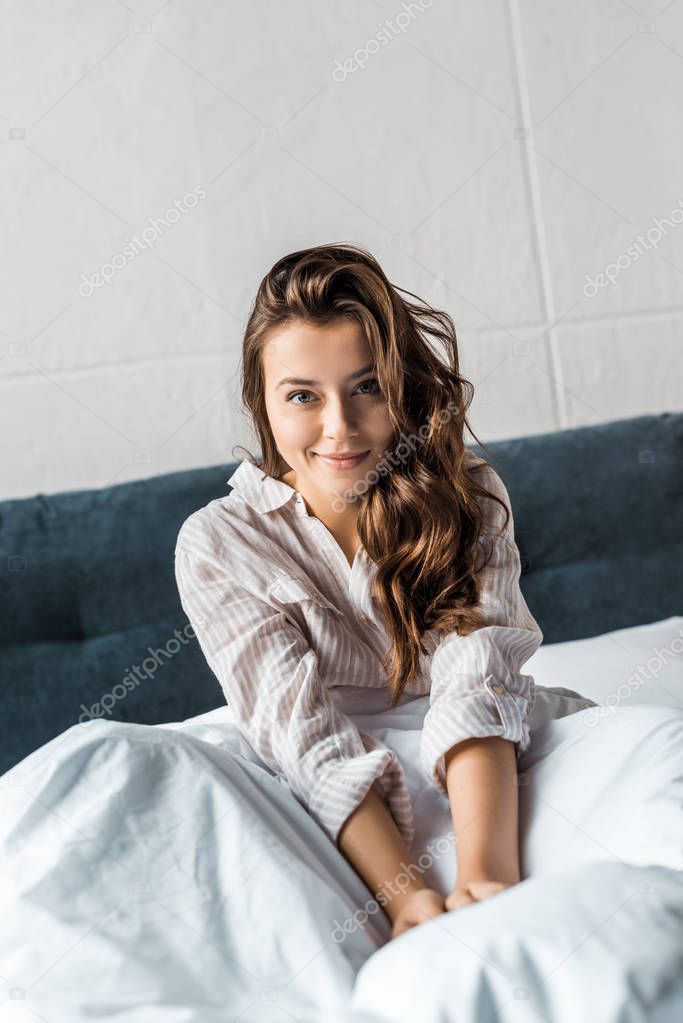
(162, 873)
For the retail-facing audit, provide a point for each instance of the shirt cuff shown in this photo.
(345, 784)
(496, 707)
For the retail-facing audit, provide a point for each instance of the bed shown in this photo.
(153, 867)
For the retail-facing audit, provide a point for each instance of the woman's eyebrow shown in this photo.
(314, 383)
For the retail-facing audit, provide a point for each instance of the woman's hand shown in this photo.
(422, 906)
(467, 892)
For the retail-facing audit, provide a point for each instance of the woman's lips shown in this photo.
(343, 464)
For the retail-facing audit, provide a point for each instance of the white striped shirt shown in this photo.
(285, 622)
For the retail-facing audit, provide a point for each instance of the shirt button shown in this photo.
(497, 687)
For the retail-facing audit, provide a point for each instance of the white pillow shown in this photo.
(608, 790)
(639, 665)
(595, 929)
(599, 943)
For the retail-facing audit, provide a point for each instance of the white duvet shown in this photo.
(162, 873)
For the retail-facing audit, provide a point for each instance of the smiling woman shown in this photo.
(366, 499)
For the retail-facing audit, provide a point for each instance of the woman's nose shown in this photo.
(338, 419)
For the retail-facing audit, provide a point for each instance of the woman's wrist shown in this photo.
(395, 904)
(506, 870)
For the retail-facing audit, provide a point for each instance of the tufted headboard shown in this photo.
(92, 615)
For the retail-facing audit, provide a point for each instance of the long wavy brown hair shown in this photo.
(421, 520)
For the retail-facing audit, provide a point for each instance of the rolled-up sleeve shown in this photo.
(270, 677)
(477, 686)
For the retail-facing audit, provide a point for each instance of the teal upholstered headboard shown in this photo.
(89, 596)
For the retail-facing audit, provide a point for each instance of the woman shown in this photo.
(368, 551)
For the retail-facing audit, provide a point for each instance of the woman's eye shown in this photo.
(370, 380)
(295, 394)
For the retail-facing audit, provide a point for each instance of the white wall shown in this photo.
(491, 154)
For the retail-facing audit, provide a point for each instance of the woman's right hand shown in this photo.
(422, 905)
(466, 893)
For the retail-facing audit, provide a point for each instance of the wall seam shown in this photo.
(538, 224)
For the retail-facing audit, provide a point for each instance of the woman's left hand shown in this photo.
(466, 892)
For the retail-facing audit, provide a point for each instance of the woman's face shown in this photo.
(322, 399)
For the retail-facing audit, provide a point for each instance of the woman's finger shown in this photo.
(459, 898)
(484, 889)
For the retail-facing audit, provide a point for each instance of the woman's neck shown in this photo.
(342, 525)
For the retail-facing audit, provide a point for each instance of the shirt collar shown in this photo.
(264, 493)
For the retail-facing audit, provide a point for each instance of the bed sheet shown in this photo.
(163, 873)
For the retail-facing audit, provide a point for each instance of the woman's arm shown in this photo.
(481, 776)
(478, 687)
(371, 842)
(270, 675)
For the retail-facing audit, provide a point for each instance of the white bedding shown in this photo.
(162, 873)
